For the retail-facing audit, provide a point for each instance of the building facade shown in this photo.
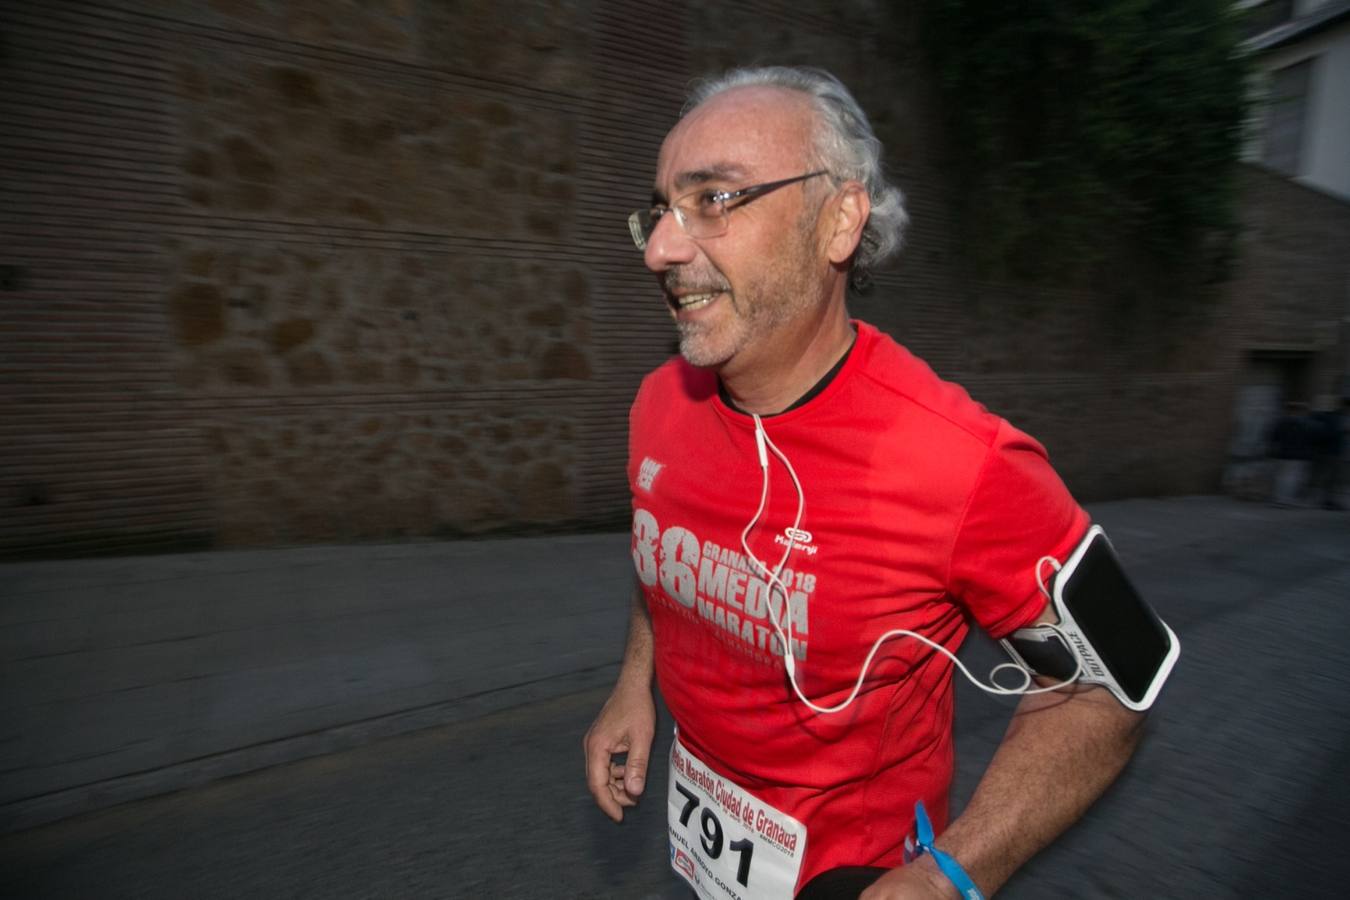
(1294, 285)
(280, 273)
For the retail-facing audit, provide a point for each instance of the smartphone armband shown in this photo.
(1108, 629)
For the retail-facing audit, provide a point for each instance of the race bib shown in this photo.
(727, 843)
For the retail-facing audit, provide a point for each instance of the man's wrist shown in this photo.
(957, 878)
(635, 676)
(941, 885)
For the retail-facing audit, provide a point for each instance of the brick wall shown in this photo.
(329, 271)
(304, 272)
(1291, 292)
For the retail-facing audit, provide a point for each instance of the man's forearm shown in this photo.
(625, 725)
(637, 667)
(1061, 751)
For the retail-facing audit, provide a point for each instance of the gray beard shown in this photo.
(696, 351)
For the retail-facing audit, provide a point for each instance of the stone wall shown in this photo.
(257, 318)
(312, 271)
(293, 272)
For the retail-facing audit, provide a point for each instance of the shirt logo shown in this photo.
(800, 538)
(647, 472)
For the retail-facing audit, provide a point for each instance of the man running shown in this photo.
(801, 484)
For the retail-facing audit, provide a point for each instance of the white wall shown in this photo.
(1325, 162)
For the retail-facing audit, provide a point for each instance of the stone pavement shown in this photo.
(122, 678)
(1242, 788)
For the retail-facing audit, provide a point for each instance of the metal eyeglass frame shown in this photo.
(642, 222)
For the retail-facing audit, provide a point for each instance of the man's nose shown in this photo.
(668, 245)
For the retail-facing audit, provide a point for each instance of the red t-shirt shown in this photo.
(921, 510)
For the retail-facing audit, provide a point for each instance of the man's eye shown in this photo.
(707, 201)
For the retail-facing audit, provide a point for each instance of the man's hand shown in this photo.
(920, 880)
(625, 724)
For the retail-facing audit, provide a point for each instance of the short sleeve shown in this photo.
(636, 421)
(1019, 511)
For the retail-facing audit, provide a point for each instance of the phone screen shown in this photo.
(1127, 634)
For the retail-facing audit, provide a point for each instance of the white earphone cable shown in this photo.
(783, 629)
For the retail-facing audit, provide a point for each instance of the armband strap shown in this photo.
(949, 866)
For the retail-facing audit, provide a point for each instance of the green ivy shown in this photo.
(1086, 135)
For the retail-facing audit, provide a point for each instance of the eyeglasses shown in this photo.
(702, 213)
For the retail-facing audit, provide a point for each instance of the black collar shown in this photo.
(810, 395)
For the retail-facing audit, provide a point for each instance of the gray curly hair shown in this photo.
(845, 145)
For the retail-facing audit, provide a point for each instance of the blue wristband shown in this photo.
(950, 867)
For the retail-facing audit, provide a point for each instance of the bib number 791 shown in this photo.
(712, 836)
(725, 841)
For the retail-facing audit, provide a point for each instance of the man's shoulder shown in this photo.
(672, 391)
(676, 378)
(902, 378)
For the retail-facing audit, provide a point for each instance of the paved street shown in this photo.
(1242, 788)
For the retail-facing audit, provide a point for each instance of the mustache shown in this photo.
(676, 281)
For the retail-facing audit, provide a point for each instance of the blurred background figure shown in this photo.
(1291, 446)
(1328, 444)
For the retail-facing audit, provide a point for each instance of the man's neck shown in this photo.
(800, 357)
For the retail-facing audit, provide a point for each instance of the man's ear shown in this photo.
(851, 208)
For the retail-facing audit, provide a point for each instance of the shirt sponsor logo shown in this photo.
(801, 540)
(647, 472)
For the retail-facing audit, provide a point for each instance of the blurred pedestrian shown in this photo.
(1328, 447)
(1291, 445)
